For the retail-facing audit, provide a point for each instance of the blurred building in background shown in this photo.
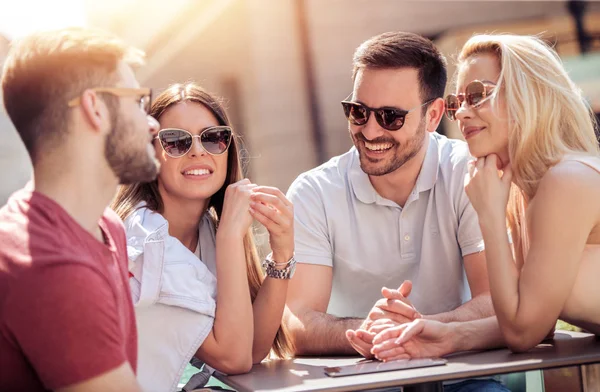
(283, 66)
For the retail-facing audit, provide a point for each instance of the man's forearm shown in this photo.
(477, 335)
(477, 308)
(317, 333)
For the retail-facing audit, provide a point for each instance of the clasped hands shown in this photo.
(394, 329)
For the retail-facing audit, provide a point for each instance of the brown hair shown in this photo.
(47, 69)
(405, 50)
(129, 196)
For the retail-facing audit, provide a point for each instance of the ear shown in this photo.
(434, 114)
(94, 110)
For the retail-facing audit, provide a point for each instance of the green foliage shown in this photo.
(566, 326)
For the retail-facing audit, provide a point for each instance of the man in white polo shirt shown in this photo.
(391, 209)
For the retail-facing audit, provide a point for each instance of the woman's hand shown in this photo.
(235, 218)
(488, 190)
(420, 338)
(273, 210)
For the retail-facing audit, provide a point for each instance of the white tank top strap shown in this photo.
(588, 160)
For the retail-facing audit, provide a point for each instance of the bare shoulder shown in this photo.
(566, 204)
(571, 173)
(572, 185)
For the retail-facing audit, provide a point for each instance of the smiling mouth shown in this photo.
(377, 147)
(196, 172)
(472, 132)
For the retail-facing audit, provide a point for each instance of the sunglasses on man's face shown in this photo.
(476, 93)
(389, 118)
(178, 142)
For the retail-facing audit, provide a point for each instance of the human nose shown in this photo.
(464, 111)
(197, 149)
(371, 129)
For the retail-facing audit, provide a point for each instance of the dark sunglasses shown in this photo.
(476, 93)
(389, 118)
(178, 142)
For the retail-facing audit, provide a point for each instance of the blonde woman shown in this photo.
(196, 281)
(537, 168)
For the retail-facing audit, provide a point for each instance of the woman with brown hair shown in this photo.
(191, 229)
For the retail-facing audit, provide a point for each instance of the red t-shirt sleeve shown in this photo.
(65, 319)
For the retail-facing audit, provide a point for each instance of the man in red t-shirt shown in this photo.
(66, 316)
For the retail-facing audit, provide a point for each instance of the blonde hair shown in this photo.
(129, 196)
(548, 116)
(45, 70)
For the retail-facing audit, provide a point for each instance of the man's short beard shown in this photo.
(402, 154)
(129, 165)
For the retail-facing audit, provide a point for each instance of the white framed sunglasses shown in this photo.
(178, 142)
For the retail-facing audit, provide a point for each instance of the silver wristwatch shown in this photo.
(272, 270)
